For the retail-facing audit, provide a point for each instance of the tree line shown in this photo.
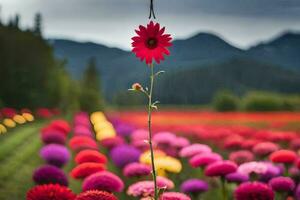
(31, 76)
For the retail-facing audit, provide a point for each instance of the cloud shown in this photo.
(112, 22)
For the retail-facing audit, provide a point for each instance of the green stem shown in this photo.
(150, 133)
(224, 189)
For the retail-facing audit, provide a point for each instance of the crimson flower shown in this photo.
(151, 43)
(50, 192)
(96, 195)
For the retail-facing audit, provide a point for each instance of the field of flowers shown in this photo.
(198, 155)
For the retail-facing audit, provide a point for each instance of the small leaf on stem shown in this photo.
(158, 73)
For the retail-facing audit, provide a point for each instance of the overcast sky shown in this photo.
(112, 22)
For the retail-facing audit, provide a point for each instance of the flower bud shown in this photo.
(137, 87)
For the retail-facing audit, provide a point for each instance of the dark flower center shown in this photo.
(151, 43)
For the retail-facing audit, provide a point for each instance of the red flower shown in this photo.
(283, 156)
(90, 156)
(85, 169)
(151, 43)
(96, 195)
(50, 192)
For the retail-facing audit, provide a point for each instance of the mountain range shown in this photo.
(204, 53)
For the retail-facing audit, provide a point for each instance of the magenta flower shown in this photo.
(297, 192)
(81, 130)
(164, 139)
(254, 190)
(194, 149)
(105, 181)
(53, 136)
(55, 154)
(49, 174)
(220, 168)
(282, 184)
(240, 157)
(136, 170)
(201, 160)
(125, 154)
(237, 177)
(174, 196)
(112, 142)
(181, 142)
(194, 186)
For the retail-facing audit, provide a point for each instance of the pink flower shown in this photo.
(265, 148)
(136, 170)
(174, 196)
(220, 168)
(202, 160)
(194, 149)
(240, 157)
(146, 188)
(253, 167)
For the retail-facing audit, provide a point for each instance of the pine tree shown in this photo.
(37, 29)
(91, 98)
(17, 21)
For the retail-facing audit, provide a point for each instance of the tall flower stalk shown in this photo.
(151, 43)
(150, 107)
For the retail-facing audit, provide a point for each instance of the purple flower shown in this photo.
(123, 155)
(237, 177)
(105, 181)
(49, 174)
(272, 171)
(282, 184)
(254, 190)
(194, 186)
(136, 170)
(55, 154)
(124, 129)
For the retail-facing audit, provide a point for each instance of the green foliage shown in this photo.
(26, 64)
(30, 75)
(225, 101)
(90, 94)
(266, 101)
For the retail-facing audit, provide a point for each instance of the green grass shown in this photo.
(18, 158)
